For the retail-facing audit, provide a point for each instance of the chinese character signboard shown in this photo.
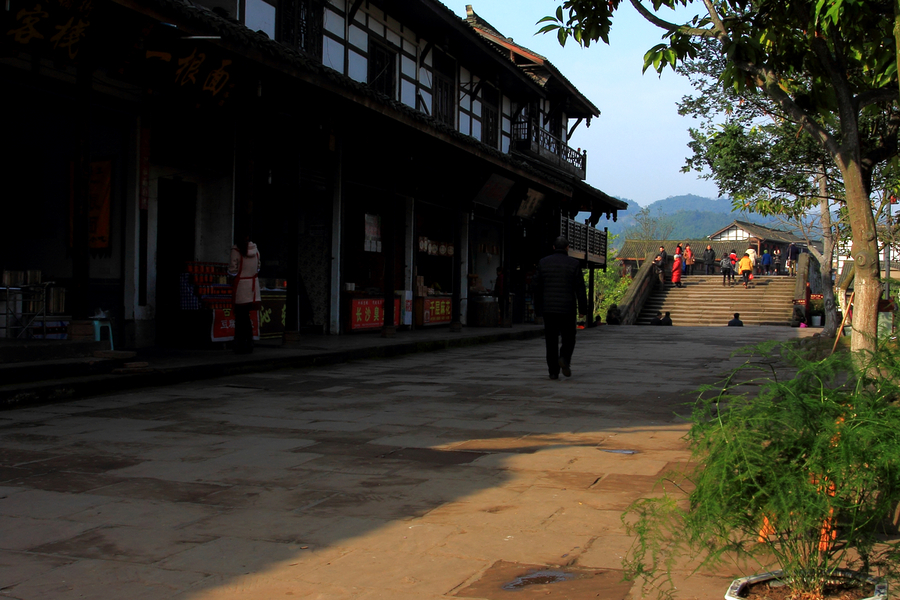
(436, 311)
(99, 209)
(197, 74)
(273, 315)
(368, 313)
(47, 27)
(223, 324)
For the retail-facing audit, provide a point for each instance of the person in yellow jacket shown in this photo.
(746, 268)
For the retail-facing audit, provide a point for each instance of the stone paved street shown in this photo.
(437, 475)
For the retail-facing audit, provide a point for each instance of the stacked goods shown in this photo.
(421, 290)
(209, 281)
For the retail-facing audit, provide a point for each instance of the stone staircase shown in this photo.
(703, 301)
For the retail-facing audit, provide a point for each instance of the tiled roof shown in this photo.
(762, 232)
(639, 249)
(493, 35)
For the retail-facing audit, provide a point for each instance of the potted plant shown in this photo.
(796, 466)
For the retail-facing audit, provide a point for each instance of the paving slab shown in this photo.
(426, 476)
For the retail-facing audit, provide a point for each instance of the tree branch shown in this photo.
(714, 15)
(870, 97)
(672, 27)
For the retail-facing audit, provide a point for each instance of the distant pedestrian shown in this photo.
(725, 265)
(688, 260)
(560, 296)
(736, 321)
(676, 271)
(793, 255)
(766, 262)
(709, 260)
(754, 258)
(776, 260)
(244, 267)
(657, 319)
(659, 265)
(746, 269)
(666, 320)
(613, 316)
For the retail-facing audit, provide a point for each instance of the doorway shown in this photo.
(176, 238)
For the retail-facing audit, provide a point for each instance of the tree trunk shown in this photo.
(866, 284)
(827, 260)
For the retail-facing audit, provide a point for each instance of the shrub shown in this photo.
(797, 463)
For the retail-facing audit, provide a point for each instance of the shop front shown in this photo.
(373, 265)
(435, 253)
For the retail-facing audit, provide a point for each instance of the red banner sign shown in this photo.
(368, 313)
(223, 324)
(436, 310)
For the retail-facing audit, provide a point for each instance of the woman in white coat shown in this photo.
(244, 267)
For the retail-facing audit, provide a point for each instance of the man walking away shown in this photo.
(560, 296)
(736, 321)
(725, 263)
(766, 261)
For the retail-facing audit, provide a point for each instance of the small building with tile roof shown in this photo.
(738, 236)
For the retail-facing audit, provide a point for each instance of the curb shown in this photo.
(65, 389)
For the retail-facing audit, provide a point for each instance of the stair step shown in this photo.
(704, 301)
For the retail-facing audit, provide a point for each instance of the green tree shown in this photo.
(650, 226)
(765, 162)
(826, 63)
(610, 285)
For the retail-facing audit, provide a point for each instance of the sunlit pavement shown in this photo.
(451, 474)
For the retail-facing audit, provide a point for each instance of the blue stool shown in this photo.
(98, 326)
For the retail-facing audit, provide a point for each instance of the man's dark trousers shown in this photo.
(556, 326)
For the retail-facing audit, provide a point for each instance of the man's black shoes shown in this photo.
(564, 367)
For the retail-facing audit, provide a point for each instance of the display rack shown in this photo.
(205, 285)
(24, 311)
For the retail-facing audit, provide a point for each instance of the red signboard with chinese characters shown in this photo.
(368, 313)
(223, 324)
(436, 311)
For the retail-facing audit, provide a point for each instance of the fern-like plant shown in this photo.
(796, 466)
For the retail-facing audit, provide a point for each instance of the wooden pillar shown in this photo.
(505, 262)
(389, 249)
(244, 180)
(292, 297)
(591, 321)
(79, 301)
(456, 297)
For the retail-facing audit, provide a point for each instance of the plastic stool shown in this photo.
(98, 326)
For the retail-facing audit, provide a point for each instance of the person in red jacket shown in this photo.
(244, 267)
(676, 271)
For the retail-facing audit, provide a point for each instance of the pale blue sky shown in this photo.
(638, 145)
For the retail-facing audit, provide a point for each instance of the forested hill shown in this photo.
(689, 202)
(691, 217)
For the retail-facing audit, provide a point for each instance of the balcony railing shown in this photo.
(530, 139)
(585, 242)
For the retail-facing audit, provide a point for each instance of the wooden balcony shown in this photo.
(585, 242)
(531, 140)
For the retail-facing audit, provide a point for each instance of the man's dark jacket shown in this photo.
(559, 284)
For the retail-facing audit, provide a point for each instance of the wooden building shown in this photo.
(380, 152)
